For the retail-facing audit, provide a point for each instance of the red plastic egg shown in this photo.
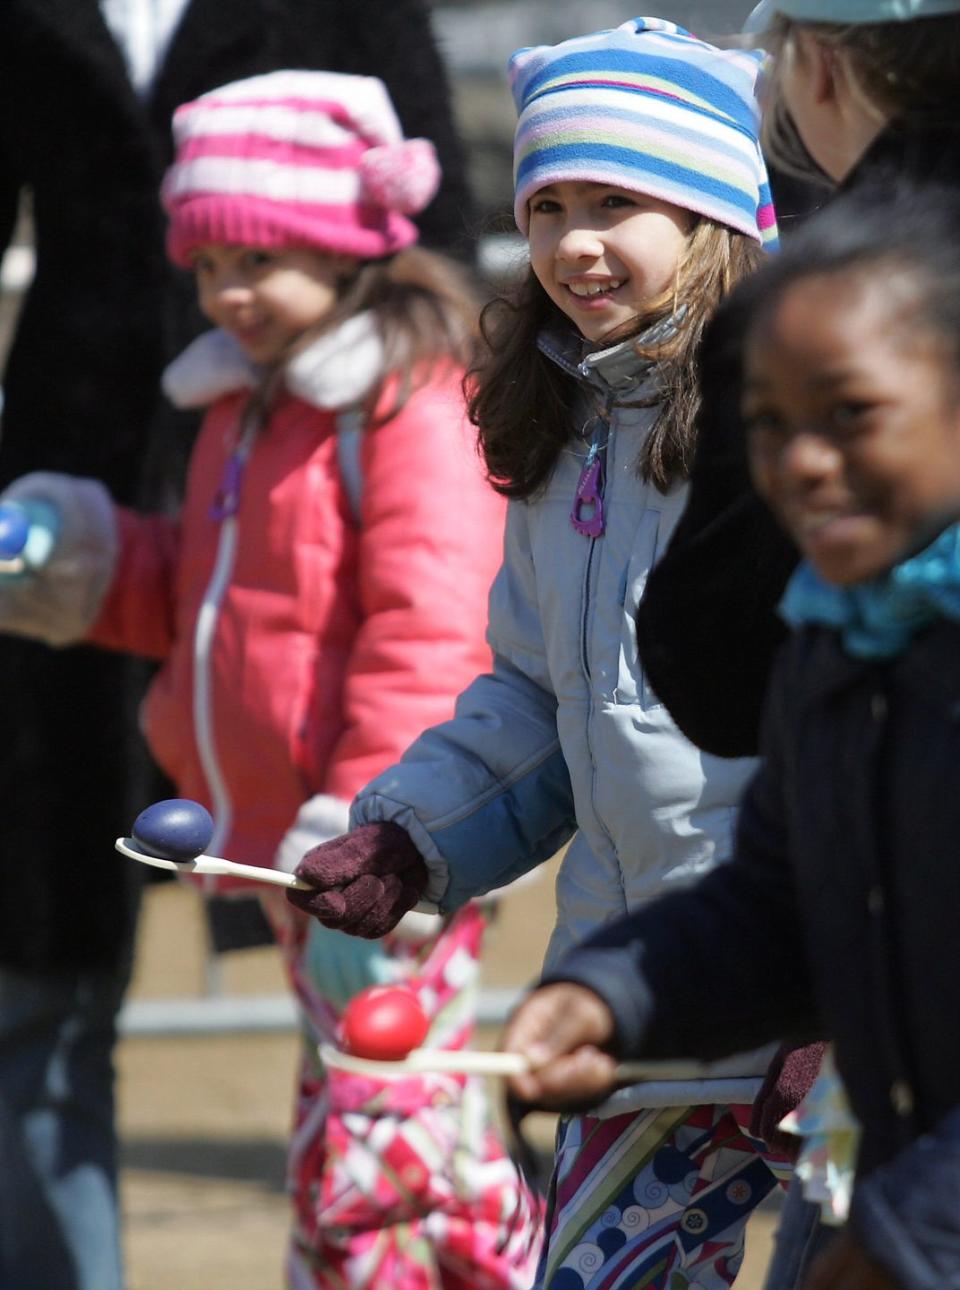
(384, 1023)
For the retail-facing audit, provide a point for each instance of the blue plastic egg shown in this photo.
(176, 829)
(14, 530)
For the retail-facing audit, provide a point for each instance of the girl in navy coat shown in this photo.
(837, 916)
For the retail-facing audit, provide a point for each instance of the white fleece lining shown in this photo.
(320, 819)
(336, 370)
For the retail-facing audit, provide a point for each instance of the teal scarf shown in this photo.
(877, 619)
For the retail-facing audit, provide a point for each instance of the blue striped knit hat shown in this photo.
(650, 108)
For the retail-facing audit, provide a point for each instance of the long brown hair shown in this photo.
(520, 401)
(907, 71)
(426, 311)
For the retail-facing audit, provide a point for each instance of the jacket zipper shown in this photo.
(598, 451)
(594, 469)
(225, 510)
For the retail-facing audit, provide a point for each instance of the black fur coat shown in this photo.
(707, 626)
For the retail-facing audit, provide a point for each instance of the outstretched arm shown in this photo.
(479, 799)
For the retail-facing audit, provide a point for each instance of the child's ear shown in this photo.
(822, 66)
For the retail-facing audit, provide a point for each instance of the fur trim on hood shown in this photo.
(336, 370)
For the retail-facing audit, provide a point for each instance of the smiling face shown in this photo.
(852, 407)
(266, 299)
(602, 254)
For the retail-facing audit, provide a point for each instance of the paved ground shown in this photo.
(204, 1117)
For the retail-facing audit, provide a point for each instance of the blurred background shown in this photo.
(207, 1055)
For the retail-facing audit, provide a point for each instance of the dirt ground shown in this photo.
(203, 1117)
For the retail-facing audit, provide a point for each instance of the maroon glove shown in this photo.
(791, 1072)
(366, 880)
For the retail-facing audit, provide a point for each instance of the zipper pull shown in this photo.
(226, 501)
(589, 496)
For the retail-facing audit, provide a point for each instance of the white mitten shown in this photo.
(58, 600)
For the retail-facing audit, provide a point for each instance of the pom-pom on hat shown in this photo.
(296, 158)
(646, 107)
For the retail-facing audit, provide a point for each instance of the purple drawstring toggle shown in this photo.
(227, 499)
(589, 495)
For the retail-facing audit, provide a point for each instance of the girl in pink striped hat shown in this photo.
(318, 602)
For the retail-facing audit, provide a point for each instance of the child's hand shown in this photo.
(844, 1265)
(365, 881)
(561, 1029)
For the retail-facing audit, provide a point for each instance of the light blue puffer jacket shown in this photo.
(565, 736)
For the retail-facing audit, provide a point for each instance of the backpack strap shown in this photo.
(350, 422)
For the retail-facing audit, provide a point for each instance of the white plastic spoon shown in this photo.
(423, 1061)
(212, 865)
(174, 834)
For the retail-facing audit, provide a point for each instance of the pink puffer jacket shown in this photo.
(303, 651)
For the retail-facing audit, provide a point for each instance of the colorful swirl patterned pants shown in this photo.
(656, 1199)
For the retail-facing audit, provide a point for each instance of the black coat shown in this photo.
(707, 626)
(836, 916)
(105, 314)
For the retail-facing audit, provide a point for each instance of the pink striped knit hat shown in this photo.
(296, 158)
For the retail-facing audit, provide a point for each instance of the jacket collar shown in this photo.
(893, 619)
(335, 370)
(927, 667)
(617, 371)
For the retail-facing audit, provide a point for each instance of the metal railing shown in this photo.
(243, 1014)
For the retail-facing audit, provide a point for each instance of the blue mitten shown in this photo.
(58, 551)
(28, 534)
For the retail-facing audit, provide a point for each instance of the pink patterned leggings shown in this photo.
(400, 1184)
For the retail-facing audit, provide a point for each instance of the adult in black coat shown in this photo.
(103, 317)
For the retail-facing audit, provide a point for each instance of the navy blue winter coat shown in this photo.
(837, 917)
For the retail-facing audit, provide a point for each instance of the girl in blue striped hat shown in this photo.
(643, 194)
